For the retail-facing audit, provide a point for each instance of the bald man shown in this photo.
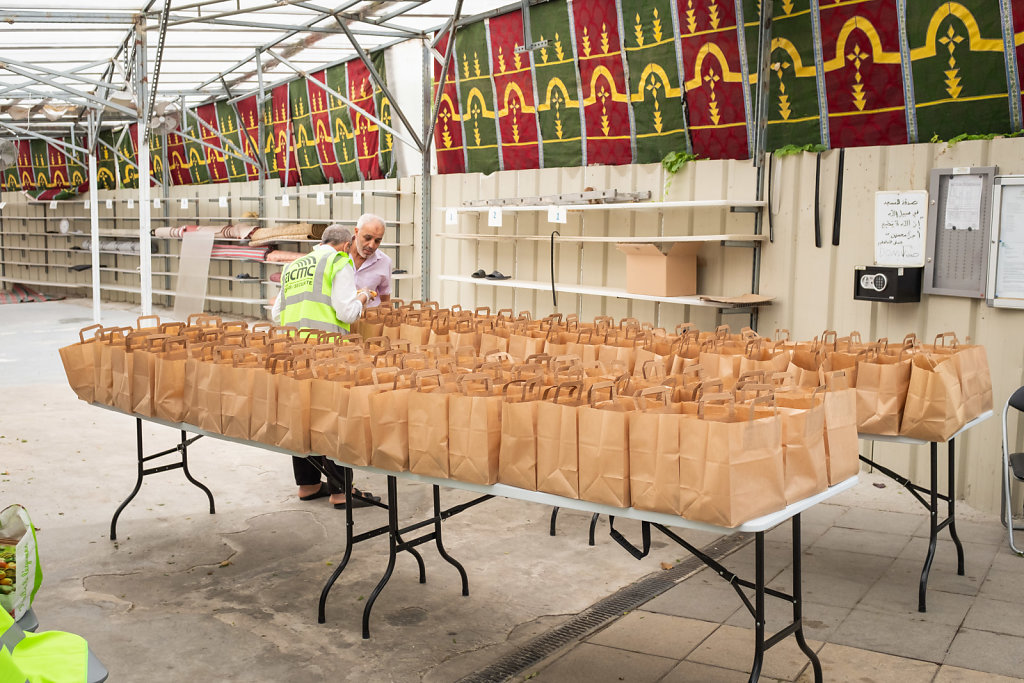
(373, 266)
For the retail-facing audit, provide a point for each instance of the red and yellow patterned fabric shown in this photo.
(451, 154)
(606, 113)
(709, 35)
(284, 145)
(513, 88)
(360, 91)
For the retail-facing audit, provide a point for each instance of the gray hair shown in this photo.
(367, 218)
(336, 234)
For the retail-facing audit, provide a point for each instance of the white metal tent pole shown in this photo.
(145, 244)
(94, 218)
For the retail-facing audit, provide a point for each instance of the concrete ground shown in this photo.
(185, 595)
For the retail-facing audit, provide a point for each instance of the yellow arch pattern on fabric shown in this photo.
(659, 73)
(514, 88)
(711, 50)
(556, 83)
(607, 74)
(975, 42)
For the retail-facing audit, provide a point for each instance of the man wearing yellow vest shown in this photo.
(319, 291)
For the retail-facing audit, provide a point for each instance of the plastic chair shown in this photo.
(1013, 466)
(52, 656)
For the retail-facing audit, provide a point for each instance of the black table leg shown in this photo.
(554, 517)
(346, 485)
(142, 471)
(933, 527)
(393, 542)
(440, 543)
(593, 528)
(951, 509)
(759, 616)
(798, 607)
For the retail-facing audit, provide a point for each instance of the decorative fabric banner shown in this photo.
(177, 160)
(58, 168)
(215, 158)
(128, 172)
(11, 179)
(304, 136)
(649, 41)
(284, 149)
(155, 162)
(25, 170)
(320, 116)
(606, 112)
(106, 164)
(451, 154)
(713, 65)
(248, 116)
(558, 93)
(197, 163)
(476, 100)
(513, 86)
(40, 164)
(78, 170)
(341, 124)
(956, 52)
(232, 131)
(793, 111)
(360, 91)
(156, 157)
(383, 107)
(863, 74)
(1017, 31)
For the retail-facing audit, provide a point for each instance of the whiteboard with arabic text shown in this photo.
(901, 222)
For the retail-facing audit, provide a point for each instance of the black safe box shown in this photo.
(887, 283)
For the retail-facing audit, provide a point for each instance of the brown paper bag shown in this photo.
(143, 373)
(934, 409)
(882, 384)
(474, 430)
(558, 440)
(654, 456)
(169, 380)
(389, 428)
(111, 339)
(805, 464)
(517, 455)
(292, 414)
(731, 467)
(236, 396)
(972, 369)
(604, 448)
(79, 360)
(355, 440)
(428, 425)
(263, 425)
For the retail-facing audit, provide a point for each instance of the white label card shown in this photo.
(131, 203)
(284, 200)
(53, 203)
(494, 217)
(183, 203)
(320, 199)
(451, 217)
(88, 204)
(222, 202)
(110, 203)
(156, 202)
(3, 205)
(357, 198)
(556, 214)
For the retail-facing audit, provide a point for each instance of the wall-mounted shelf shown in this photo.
(654, 239)
(590, 290)
(738, 205)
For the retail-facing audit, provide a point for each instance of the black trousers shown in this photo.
(306, 474)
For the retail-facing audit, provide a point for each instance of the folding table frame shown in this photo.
(931, 503)
(660, 521)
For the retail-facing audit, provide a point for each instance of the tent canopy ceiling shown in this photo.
(61, 57)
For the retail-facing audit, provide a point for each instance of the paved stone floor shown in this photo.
(184, 595)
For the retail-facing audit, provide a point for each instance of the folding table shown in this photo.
(932, 502)
(662, 522)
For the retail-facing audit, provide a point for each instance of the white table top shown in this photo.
(918, 442)
(762, 523)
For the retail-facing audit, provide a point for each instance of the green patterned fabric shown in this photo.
(156, 158)
(956, 53)
(304, 135)
(341, 128)
(476, 96)
(649, 38)
(383, 108)
(558, 99)
(106, 170)
(128, 175)
(793, 112)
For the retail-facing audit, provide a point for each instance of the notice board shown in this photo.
(1006, 257)
(959, 221)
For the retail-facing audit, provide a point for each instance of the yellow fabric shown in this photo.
(53, 657)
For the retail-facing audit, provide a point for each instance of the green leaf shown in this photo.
(790, 150)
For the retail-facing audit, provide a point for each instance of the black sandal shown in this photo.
(362, 499)
(319, 494)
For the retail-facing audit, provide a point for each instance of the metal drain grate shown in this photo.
(597, 615)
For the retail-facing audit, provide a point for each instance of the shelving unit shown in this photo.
(575, 233)
(34, 252)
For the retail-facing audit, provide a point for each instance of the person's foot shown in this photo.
(340, 501)
(313, 491)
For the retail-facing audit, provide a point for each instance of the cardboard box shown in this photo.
(651, 271)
